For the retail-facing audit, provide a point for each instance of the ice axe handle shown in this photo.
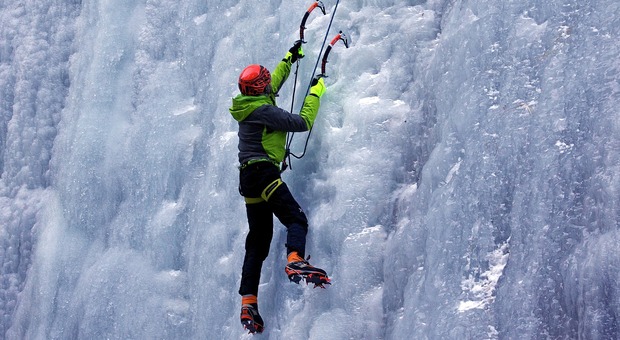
(302, 27)
(339, 36)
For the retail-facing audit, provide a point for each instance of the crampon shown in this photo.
(301, 269)
(319, 280)
(251, 320)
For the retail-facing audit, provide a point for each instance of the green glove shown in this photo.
(295, 52)
(318, 86)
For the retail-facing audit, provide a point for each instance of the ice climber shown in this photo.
(262, 137)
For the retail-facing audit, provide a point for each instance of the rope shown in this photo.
(289, 136)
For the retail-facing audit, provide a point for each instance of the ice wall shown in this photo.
(461, 180)
(35, 46)
(517, 204)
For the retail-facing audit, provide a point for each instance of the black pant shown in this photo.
(253, 180)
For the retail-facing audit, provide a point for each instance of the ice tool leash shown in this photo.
(340, 37)
(302, 27)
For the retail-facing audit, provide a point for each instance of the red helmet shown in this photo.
(253, 80)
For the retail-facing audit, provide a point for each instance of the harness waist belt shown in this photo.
(252, 161)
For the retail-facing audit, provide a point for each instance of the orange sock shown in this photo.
(294, 257)
(249, 299)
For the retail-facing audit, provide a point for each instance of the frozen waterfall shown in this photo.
(462, 180)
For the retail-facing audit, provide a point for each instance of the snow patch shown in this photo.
(369, 100)
(483, 287)
(563, 147)
(200, 19)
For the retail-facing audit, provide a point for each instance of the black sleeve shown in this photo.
(279, 120)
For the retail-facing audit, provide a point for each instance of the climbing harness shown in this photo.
(266, 194)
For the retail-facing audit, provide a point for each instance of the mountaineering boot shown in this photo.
(298, 268)
(250, 319)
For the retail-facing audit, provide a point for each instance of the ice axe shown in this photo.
(339, 37)
(302, 27)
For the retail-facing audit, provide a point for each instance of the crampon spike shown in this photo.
(295, 278)
(251, 327)
(318, 280)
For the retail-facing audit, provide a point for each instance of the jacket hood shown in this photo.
(242, 105)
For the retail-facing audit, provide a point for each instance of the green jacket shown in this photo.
(263, 125)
